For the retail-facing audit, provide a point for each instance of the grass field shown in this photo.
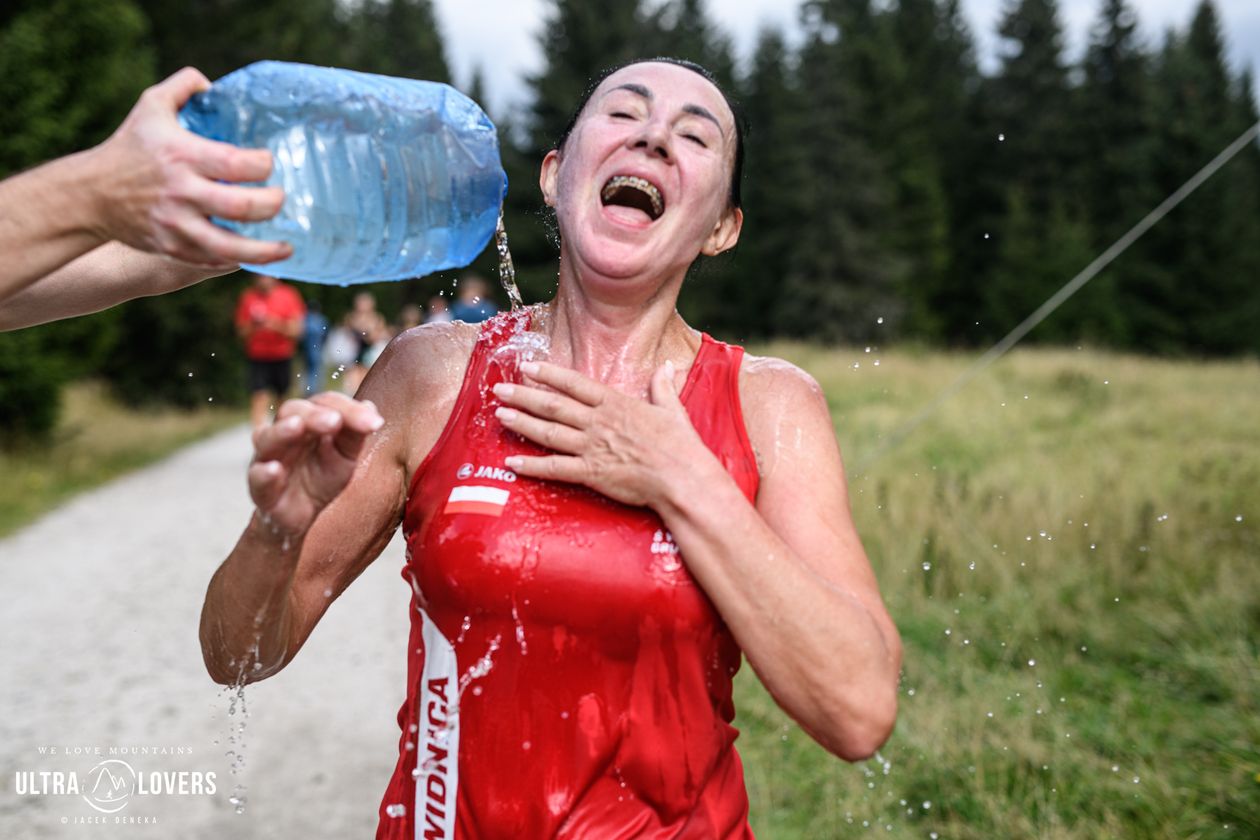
(1071, 552)
(95, 440)
(1070, 549)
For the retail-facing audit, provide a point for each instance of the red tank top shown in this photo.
(567, 677)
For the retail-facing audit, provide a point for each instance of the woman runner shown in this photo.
(593, 540)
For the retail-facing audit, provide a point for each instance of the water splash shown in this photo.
(507, 271)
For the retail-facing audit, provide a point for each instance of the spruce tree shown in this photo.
(1202, 298)
(1116, 124)
(1041, 218)
(842, 281)
(70, 70)
(579, 40)
(398, 38)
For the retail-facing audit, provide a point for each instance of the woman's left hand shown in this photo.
(622, 447)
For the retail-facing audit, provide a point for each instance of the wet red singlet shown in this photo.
(566, 675)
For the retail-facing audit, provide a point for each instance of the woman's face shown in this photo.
(642, 185)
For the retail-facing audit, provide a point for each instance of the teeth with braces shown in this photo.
(642, 184)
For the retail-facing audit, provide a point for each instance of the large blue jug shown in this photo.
(384, 178)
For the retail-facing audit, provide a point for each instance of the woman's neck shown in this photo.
(617, 342)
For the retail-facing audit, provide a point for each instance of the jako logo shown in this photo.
(492, 473)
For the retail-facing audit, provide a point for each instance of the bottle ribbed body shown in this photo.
(384, 178)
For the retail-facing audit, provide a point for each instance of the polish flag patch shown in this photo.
(473, 498)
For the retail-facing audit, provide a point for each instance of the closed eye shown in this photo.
(621, 114)
(693, 138)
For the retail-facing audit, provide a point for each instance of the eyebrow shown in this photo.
(695, 110)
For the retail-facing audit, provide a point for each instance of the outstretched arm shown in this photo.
(788, 574)
(151, 186)
(329, 480)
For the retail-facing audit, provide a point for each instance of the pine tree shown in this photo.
(398, 38)
(1116, 126)
(579, 40)
(70, 70)
(735, 296)
(1038, 167)
(682, 29)
(219, 36)
(842, 281)
(924, 140)
(1202, 301)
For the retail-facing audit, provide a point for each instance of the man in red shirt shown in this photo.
(269, 321)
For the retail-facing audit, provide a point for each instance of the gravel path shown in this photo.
(99, 660)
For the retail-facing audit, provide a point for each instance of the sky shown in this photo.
(501, 36)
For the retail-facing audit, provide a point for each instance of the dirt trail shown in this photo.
(99, 652)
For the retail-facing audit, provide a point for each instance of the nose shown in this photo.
(654, 138)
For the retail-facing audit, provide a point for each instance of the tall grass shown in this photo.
(1070, 550)
(95, 440)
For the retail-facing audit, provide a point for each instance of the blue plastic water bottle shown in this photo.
(384, 178)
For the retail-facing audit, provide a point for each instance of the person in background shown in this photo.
(472, 300)
(368, 326)
(269, 320)
(438, 312)
(410, 316)
(129, 218)
(314, 333)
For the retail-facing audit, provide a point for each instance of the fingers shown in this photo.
(176, 88)
(554, 436)
(244, 204)
(548, 405)
(581, 388)
(267, 480)
(225, 162)
(358, 420)
(217, 245)
(550, 467)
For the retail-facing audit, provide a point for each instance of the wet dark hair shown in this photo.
(737, 171)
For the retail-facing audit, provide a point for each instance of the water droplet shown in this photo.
(396, 810)
(1032, 663)
(1238, 518)
(927, 566)
(880, 319)
(1001, 138)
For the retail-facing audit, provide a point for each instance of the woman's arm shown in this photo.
(788, 575)
(329, 479)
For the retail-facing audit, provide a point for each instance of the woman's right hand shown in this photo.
(304, 459)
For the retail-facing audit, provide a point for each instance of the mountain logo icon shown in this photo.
(110, 786)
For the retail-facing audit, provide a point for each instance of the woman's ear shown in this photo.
(547, 177)
(725, 233)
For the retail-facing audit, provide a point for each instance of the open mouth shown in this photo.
(633, 191)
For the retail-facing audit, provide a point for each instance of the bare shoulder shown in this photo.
(771, 388)
(785, 412)
(416, 382)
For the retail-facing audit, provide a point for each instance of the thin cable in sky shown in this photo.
(1074, 285)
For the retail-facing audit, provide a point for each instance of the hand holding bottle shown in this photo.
(158, 184)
